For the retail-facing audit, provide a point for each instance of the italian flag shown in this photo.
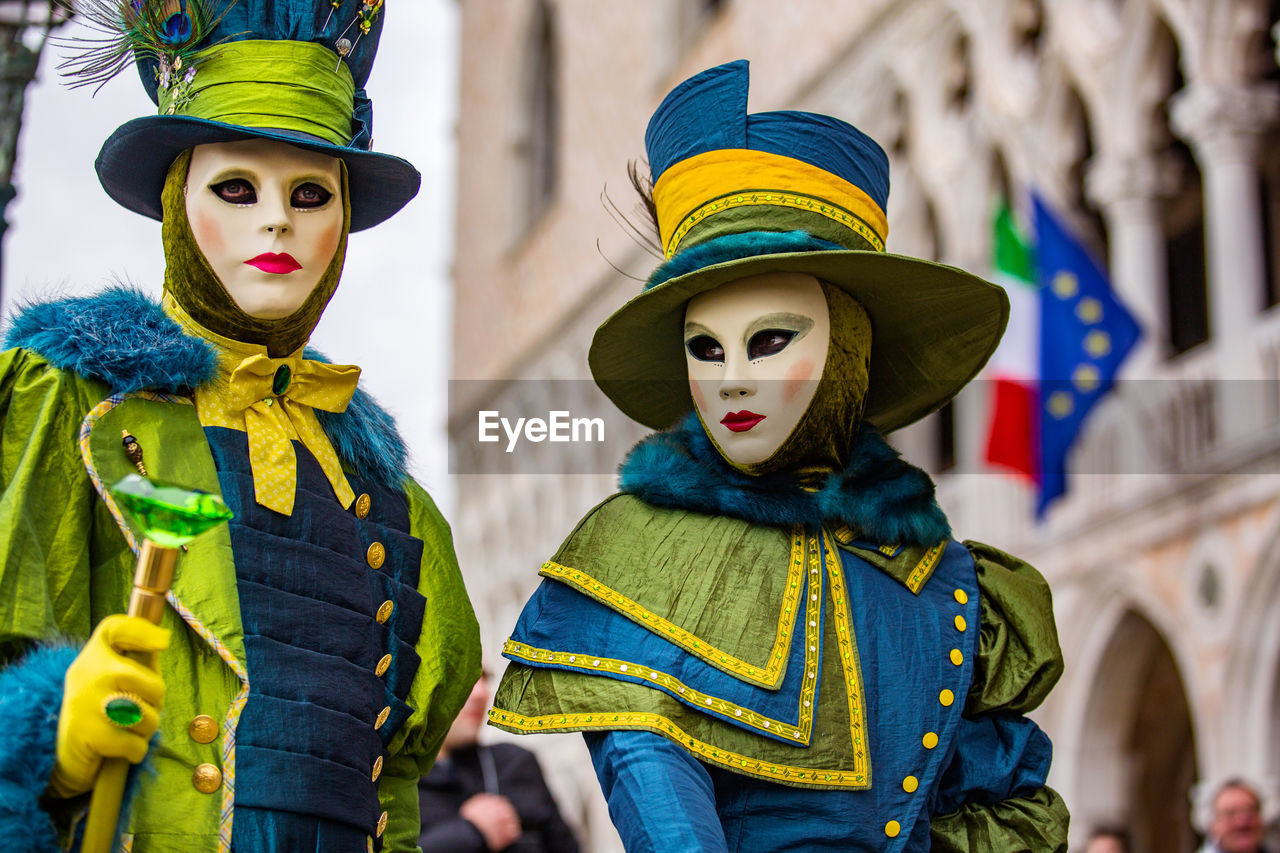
(1013, 438)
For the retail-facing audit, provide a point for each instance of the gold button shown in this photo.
(377, 768)
(384, 612)
(382, 717)
(207, 778)
(203, 729)
(930, 740)
(363, 503)
(382, 665)
(892, 828)
(843, 534)
(960, 623)
(376, 555)
(910, 784)
(956, 657)
(382, 824)
(962, 596)
(946, 697)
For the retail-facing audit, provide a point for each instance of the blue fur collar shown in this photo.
(123, 339)
(882, 497)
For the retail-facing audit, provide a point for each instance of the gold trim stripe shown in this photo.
(925, 567)
(798, 734)
(767, 675)
(845, 635)
(661, 725)
(713, 181)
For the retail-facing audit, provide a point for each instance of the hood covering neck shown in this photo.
(822, 440)
(192, 283)
(883, 498)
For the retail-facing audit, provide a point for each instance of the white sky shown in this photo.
(391, 314)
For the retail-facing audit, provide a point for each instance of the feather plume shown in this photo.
(166, 30)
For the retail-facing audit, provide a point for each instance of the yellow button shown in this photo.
(363, 503)
(207, 778)
(382, 717)
(382, 824)
(892, 829)
(962, 596)
(376, 555)
(843, 534)
(203, 729)
(960, 623)
(382, 665)
(377, 768)
(946, 697)
(910, 784)
(956, 657)
(930, 740)
(384, 612)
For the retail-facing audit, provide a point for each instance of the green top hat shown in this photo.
(226, 70)
(738, 195)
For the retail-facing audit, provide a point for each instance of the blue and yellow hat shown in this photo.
(226, 70)
(741, 194)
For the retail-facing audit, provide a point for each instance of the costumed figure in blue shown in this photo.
(314, 651)
(769, 638)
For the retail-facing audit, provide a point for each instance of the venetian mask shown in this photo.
(756, 349)
(268, 218)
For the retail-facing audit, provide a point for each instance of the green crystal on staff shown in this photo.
(123, 712)
(168, 515)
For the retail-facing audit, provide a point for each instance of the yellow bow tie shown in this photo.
(277, 397)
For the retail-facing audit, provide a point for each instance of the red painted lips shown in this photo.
(281, 264)
(741, 421)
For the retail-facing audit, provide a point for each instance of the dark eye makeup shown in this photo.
(240, 191)
(235, 191)
(768, 342)
(705, 348)
(310, 195)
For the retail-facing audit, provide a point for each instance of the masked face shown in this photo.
(755, 349)
(267, 217)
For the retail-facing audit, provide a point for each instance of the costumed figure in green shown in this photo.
(314, 651)
(769, 638)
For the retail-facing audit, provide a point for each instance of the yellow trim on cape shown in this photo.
(661, 725)
(925, 567)
(766, 675)
(846, 637)
(707, 183)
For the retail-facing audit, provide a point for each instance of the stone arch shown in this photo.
(1135, 732)
(1252, 680)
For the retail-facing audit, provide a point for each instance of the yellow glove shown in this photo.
(100, 673)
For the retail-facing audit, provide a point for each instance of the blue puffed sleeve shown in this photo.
(997, 756)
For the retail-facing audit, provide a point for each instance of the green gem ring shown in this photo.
(123, 710)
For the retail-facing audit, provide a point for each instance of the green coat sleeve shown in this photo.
(398, 792)
(449, 645)
(46, 503)
(1018, 663)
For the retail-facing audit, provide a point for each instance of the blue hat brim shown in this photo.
(135, 160)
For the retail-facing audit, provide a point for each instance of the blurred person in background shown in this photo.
(1107, 839)
(1235, 825)
(479, 798)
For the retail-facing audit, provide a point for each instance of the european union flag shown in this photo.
(1085, 334)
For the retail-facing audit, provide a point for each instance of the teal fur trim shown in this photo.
(881, 496)
(123, 339)
(735, 247)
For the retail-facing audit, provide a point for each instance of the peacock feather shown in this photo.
(166, 30)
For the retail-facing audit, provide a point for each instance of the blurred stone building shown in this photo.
(1151, 123)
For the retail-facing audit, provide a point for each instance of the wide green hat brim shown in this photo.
(134, 161)
(933, 327)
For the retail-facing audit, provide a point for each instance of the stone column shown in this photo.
(1128, 188)
(1224, 127)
